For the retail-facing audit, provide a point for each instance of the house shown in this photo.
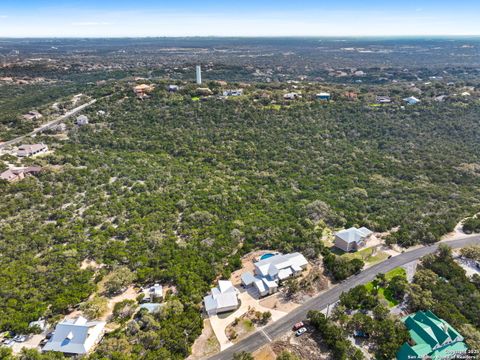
(142, 90)
(204, 91)
(12, 175)
(383, 100)
(351, 95)
(222, 299)
(75, 336)
(291, 96)
(82, 120)
(154, 292)
(352, 239)
(323, 96)
(173, 88)
(40, 323)
(431, 337)
(465, 93)
(32, 115)
(271, 271)
(412, 100)
(30, 150)
(151, 307)
(440, 98)
(237, 92)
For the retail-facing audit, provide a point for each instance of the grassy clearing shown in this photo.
(384, 293)
(369, 255)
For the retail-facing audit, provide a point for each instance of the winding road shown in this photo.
(47, 125)
(321, 301)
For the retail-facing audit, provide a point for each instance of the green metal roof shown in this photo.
(430, 336)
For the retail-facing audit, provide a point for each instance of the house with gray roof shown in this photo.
(271, 271)
(30, 150)
(352, 239)
(75, 336)
(223, 298)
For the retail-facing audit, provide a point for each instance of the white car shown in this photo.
(301, 331)
(8, 342)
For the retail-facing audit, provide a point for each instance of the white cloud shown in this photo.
(3, 16)
(90, 23)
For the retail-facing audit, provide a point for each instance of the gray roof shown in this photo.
(353, 234)
(151, 307)
(75, 336)
(248, 278)
(272, 265)
(222, 297)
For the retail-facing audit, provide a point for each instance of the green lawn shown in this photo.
(384, 293)
(364, 254)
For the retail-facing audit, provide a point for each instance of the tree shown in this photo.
(398, 285)
(242, 356)
(95, 307)
(123, 310)
(286, 355)
(118, 280)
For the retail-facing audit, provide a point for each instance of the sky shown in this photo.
(121, 18)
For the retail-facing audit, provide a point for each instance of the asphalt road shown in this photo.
(320, 302)
(47, 125)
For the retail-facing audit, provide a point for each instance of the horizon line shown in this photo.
(244, 36)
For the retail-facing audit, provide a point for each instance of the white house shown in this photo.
(82, 120)
(412, 100)
(271, 271)
(237, 92)
(30, 150)
(222, 299)
(323, 96)
(352, 239)
(291, 96)
(154, 292)
(75, 336)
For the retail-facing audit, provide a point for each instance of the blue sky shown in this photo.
(109, 18)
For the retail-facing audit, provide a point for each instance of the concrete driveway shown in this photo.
(247, 301)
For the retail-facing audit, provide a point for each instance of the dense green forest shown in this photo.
(178, 190)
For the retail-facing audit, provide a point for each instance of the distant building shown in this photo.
(352, 239)
(204, 91)
(82, 120)
(440, 98)
(142, 91)
(151, 307)
(271, 271)
(351, 95)
(237, 92)
(32, 115)
(291, 96)
(383, 100)
(75, 336)
(173, 88)
(198, 74)
(431, 338)
(12, 175)
(154, 292)
(412, 100)
(465, 93)
(222, 299)
(30, 150)
(323, 96)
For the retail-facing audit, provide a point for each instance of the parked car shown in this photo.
(298, 325)
(8, 342)
(49, 335)
(20, 338)
(301, 331)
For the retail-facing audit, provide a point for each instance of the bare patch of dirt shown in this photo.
(206, 344)
(307, 347)
(264, 353)
(245, 324)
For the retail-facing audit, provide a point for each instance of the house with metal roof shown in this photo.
(223, 298)
(352, 239)
(75, 336)
(412, 100)
(271, 271)
(431, 337)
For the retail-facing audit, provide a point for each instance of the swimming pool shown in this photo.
(266, 256)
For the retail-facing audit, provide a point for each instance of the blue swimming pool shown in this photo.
(266, 256)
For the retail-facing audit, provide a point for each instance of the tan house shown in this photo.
(12, 175)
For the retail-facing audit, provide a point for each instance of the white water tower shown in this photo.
(199, 74)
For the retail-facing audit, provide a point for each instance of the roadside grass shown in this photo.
(368, 255)
(384, 293)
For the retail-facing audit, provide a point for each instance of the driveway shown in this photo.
(220, 322)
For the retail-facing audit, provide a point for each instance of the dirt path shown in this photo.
(207, 344)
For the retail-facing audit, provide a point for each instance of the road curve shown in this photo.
(47, 125)
(321, 301)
